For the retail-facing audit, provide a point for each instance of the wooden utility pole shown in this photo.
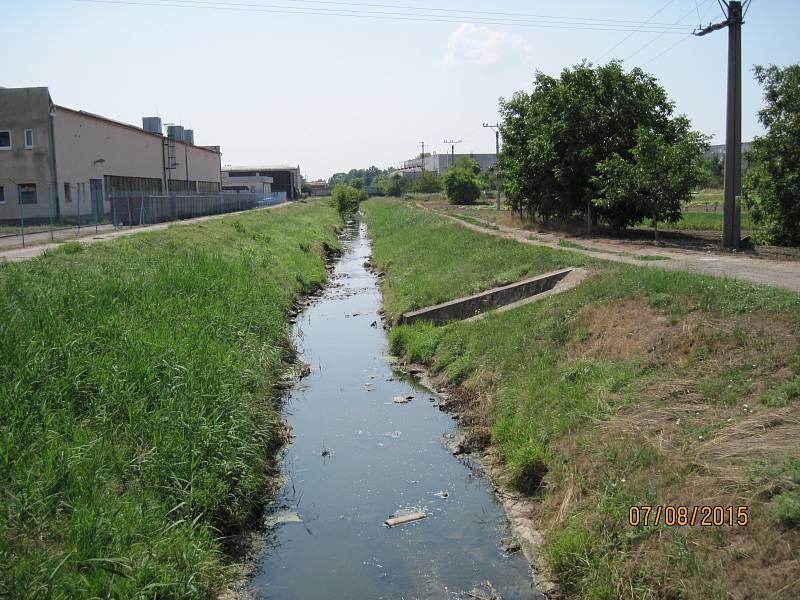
(496, 128)
(731, 224)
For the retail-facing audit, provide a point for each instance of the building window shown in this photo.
(2, 195)
(29, 139)
(5, 140)
(27, 193)
(67, 193)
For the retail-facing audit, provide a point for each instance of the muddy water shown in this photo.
(358, 458)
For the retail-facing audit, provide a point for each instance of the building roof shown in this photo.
(260, 168)
(129, 126)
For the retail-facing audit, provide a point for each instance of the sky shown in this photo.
(272, 83)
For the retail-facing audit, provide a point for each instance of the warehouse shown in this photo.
(59, 163)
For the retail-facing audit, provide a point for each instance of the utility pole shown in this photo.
(422, 156)
(496, 128)
(452, 150)
(731, 224)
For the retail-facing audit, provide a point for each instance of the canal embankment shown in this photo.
(638, 387)
(139, 420)
(374, 502)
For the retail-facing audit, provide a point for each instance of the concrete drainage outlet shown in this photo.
(504, 297)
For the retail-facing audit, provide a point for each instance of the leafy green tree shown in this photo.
(461, 184)
(772, 183)
(357, 182)
(468, 163)
(427, 183)
(346, 198)
(393, 185)
(554, 137)
(653, 182)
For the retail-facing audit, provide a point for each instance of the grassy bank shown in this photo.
(641, 386)
(137, 413)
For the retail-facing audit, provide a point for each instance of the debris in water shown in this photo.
(282, 516)
(443, 495)
(393, 434)
(402, 399)
(509, 545)
(403, 519)
(373, 324)
(485, 592)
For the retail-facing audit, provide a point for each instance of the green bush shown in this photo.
(346, 198)
(461, 184)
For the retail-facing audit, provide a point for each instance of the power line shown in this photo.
(276, 9)
(679, 42)
(483, 12)
(658, 37)
(627, 37)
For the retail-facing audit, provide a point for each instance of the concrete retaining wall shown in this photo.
(463, 308)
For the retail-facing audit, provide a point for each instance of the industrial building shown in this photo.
(58, 162)
(281, 180)
(439, 163)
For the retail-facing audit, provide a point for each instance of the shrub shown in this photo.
(461, 185)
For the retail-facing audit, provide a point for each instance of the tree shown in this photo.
(357, 183)
(653, 182)
(427, 183)
(346, 198)
(554, 137)
(772, 184)
(461, 184)
(393, 185)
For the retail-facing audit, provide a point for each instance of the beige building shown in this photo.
(59, 162)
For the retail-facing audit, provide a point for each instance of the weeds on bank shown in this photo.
(137, 417)
(640, 386)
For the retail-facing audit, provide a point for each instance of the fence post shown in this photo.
(79, 210)
(114, 210)
(21, 216)
(52, 239)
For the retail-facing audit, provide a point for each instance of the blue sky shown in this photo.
(330, 93)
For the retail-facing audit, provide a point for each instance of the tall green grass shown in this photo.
(137, 417)
(430, 260)
(550, 397)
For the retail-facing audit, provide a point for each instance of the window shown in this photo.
(27, 193)
(29, 139)
(67, 193)
(2, 195)
(5, 140)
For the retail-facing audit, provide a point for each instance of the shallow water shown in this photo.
(381, 457)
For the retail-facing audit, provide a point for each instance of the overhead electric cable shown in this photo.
(627, 37)
(658, 37)
(277, 9)
(678, 43)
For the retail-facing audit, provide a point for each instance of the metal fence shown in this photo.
(28, 223)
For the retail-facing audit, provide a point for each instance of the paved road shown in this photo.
(776, 273)
(107, 232)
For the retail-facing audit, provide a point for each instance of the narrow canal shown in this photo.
(358, 458)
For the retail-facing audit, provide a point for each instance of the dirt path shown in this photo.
(19, 254)
(782, 274)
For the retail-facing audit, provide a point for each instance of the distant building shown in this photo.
(60, 162)
(282, 179)
(719, 150)
(318, 188)
(439, 163)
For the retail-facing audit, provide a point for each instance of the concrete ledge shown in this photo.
(470, 306)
